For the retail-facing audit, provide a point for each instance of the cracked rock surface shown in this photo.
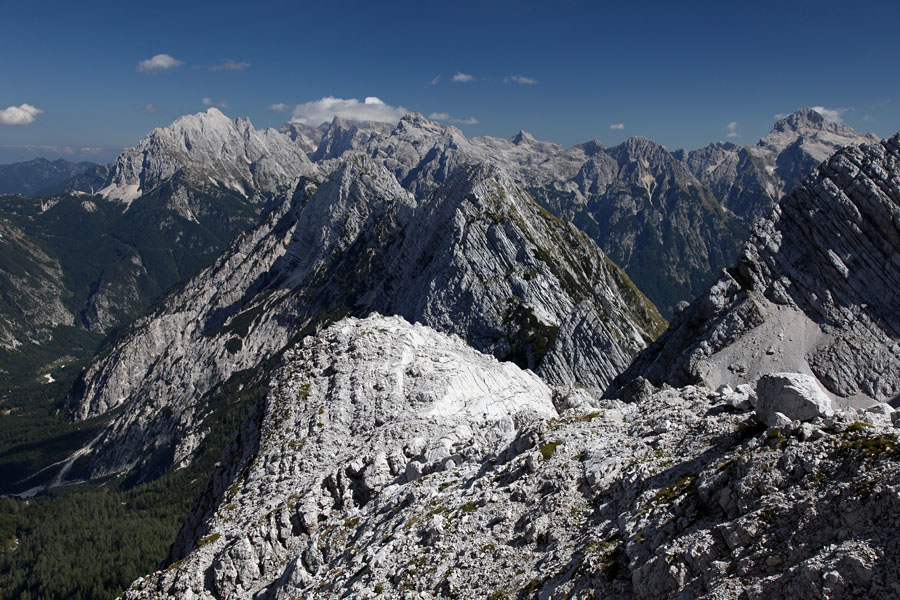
(393, 461)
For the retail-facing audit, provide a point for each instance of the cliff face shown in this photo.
(815, 290)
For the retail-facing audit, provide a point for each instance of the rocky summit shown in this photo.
(750, 180)
(815, 291)
(476, 257)
(209, 149)
(389, 460)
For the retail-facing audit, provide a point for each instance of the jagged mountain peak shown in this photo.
(805, 120)
(638, 144)
(523, 137)
(591, 147)
(416, 123)
(812, 129)
(209, 148)
(341, 136)
(750, 180)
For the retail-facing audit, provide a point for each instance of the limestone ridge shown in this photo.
(477, 257)
(749, 180)
(391, 460)
(814, 291)
(209, 148)
(640, 204)
(672, 220)
(396, 400)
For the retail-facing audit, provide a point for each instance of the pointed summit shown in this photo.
(523, 137)
(209, 148)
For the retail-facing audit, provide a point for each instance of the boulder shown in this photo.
(794, 395)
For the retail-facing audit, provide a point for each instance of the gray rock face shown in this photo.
(477, 258)
(31, 305)
(390, 460)
(797, 397)
(815, 291)
(210, 148)
(342, 136)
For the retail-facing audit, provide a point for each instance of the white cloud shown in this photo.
(24, 114)
(147, 108)
(326, 109)
(210, 102)
(91, 150)
(868, 118)
(617, 126)
(731, 128)
(230, 65)
(835, 115)
(436, 116)
(160, 62)
(780, 116)
(435, 80)
(463, 78)
(281, 107)
(520, 79)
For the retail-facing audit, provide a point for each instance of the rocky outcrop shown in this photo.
(390, 460)
(815, 291)
(477, 258)
(793, 396)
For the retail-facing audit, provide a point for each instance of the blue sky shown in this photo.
(679, 73)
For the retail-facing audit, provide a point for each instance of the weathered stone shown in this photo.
(793, 395)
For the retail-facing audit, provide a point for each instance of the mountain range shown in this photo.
(458, 475)
(439, 371)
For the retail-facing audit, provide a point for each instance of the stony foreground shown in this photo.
(393, 461)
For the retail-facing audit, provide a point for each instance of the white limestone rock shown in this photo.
(792, 395)
(536, 504)
(209, 148)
